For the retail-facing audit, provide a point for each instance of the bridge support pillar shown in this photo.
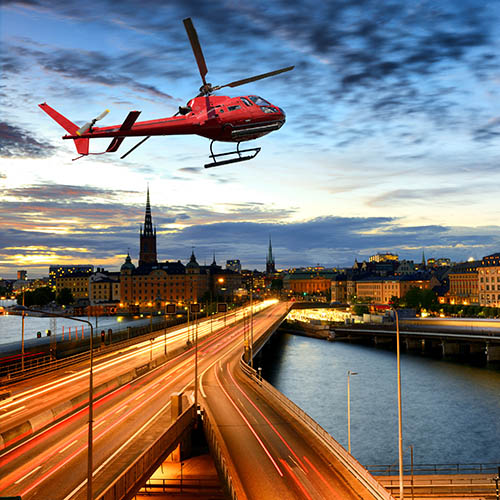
(382, 341)
(183, 449)
(412, 345)
(450, 349)
(492, 353)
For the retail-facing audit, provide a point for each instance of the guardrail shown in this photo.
(377, 490)
(472, 468)
(125, 485)
(222, 458)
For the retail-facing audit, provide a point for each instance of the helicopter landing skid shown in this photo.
(238, 152)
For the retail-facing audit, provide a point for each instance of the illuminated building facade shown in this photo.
(60, 271)
(464, 280)
(489, 281)
(77, 283)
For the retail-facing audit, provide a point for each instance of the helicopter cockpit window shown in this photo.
(246, 101)
(232, 108)
(258, 100)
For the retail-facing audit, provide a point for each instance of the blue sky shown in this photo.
(392, 140)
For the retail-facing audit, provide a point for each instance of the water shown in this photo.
(451, 412)
(11, 326)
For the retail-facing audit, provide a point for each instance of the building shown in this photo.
(339, 289)
(489, 281)
(60, 271)
(305, 283)
(383, 257)
(21, 275)
(380, 290)
(463, 283)
(104, 287)
(270, 266)
(147, 252)
(77, 283)
(233, 265)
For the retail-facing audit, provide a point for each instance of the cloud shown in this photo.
(18, 143)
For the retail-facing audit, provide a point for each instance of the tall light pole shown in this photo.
(400, 422)
(22, 338)
(90, 465)
(349, 373)
(251, 325)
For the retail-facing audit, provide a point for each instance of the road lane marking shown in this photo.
(29, 474)
(249, 426)
(99, 424)
(69, 445)
(296, 479)
(121, 409)
(12, 411)
(266, 419)
(140, 396)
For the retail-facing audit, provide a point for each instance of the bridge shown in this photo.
(145, 400)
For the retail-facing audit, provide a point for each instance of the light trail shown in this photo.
(249, 426)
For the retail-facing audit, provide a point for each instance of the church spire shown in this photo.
(147, 253)
(148, 221)
(270, 268)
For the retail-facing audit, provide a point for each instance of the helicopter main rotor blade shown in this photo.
(254, 78)
(195, 44)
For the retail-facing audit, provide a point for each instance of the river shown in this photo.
(11, 326)
(451, 412)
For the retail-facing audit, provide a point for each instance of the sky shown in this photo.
(392, 139)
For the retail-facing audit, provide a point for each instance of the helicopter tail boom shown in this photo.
(82, 145)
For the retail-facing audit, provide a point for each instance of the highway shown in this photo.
(55, 460)
(272, 456)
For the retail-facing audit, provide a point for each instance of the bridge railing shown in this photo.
(335, 448)
(222, 458)
(129, 481)
(472, 468)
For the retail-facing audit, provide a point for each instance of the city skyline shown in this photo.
(391, 140)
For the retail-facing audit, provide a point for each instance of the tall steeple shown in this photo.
(270, 268)
(147, 253)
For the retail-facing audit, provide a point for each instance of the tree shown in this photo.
(65, 297)
(360, 309)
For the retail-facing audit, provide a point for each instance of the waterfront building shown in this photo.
(304, 283)
(339, 289)
(77, 283)
(380, 290)
(489, 281)
(60, 271)
(463, 283)
(104, 287)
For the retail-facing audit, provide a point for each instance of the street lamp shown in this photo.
(90, 466)
(349, 373)
(400, 424)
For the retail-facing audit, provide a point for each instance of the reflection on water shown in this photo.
(451, 412)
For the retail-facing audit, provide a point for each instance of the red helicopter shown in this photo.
(219, 118)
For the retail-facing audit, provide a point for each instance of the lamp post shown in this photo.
(400, 423)
(349, 373)
(22, 337)
(90, 465)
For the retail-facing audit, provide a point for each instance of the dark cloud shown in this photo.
(16, 142)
